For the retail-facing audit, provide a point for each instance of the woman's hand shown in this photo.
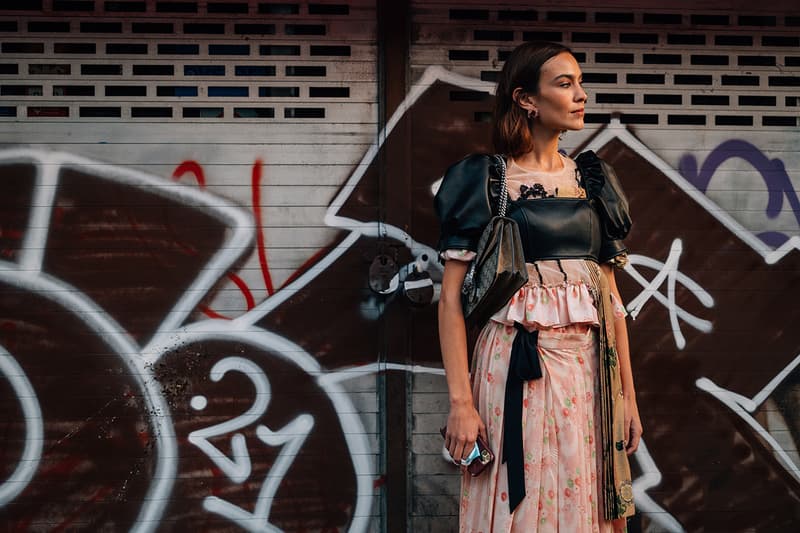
(633, 424)
(464, 423)
(463, 426)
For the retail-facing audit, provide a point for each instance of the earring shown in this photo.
(533, 113)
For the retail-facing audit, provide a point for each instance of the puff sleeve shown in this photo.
(462, 203)
(605, 191)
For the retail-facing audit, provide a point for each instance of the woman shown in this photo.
(561, 434)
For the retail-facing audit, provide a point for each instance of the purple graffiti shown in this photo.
(773, 172)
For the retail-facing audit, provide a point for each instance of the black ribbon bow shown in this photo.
(524, 366)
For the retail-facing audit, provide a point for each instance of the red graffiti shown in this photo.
(132, 259)
(248, 296)
(308, 263)
(194, 168)
(11, 234)
(98, 495)
(210, 313)
(262, 252)
(63, 468)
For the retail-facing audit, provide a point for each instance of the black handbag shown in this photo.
(498, 269)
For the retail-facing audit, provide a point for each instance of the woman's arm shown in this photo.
(633, 424)
(463, 423)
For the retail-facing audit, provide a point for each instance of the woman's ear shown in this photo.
(525, 101)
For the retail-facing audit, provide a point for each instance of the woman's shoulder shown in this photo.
(462, 202)
(603, 185)
(471, 163)
(464, 184)
(589, 164)
(469, 172)
(599, 177)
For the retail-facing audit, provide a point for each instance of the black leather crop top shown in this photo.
(551, 228)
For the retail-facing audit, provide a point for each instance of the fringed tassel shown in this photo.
(617, 489)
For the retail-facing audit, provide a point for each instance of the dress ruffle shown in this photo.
(458, 255)
(545, 307)
(603, 187)
(592, 169)
(553, 306)
(544, 302)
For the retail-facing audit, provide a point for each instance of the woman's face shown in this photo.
(561, 97)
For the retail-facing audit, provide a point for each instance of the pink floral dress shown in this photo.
(560, 438)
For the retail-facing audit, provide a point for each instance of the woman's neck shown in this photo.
(544, 155)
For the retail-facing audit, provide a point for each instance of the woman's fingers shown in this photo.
(450, 444)
(460, 452)
(459, 448)
(463, 427)
(457, 451)
(632, 427)
(463, 449)
(634, 436)
(626, 432)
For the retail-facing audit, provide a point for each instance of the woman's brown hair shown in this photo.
(511, 132)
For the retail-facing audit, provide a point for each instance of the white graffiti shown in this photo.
(120, 343)
(26, 274)
(614, 131)
(744, 408)
(617, 131)
(238, 468)
(651, 478)
(373, 368)
(668, 271)
(34, 429)
(291, 438)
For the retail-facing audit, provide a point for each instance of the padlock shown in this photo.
(383, 274)
(418, 288)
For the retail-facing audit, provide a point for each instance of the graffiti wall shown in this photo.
(218, 275)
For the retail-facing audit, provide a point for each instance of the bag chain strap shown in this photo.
(469, 287)
(503, 186)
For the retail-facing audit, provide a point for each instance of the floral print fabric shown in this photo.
(559, 437)
(558, 294)
(530, 184)
(561, 411)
